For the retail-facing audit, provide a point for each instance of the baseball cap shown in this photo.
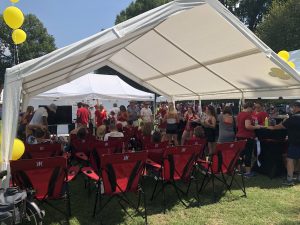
(52, 107)
(297, 103)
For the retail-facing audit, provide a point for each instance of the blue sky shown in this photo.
(70, 21)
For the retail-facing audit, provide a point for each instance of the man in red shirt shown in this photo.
(246, 132)
(82, 115)
(100, 115)
(259, 114)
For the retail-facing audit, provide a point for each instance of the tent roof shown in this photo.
(104, 87)
(186, 49)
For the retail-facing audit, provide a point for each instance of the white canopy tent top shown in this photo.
(96, 86)
(186, 49)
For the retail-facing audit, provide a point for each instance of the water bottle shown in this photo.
(256, 122)
(266, 122)
(123, 147)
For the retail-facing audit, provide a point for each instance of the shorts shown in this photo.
(210, 134)
(172, 128)
(293, 152)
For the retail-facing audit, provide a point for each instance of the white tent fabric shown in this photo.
(186, 49)
(96, 86)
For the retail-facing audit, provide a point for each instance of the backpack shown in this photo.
(12, 205)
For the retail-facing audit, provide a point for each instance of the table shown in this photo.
(273, 144)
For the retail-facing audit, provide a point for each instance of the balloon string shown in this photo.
(17, 54)
(14, 56)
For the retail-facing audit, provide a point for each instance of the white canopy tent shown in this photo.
(95, 86)
(186, 49)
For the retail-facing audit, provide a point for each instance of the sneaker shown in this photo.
(249, 174)
(288, 183)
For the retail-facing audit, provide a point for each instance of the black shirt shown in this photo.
(292, 124)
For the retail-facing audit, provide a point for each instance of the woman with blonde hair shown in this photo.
(171, 119)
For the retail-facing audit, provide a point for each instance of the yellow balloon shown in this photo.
(14, 1)
(13, 17)
(291, 64)
(284, 55)
(18, 149)
(18, 36)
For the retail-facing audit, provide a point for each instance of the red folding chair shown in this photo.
(121, 174)
(81, 148)
(116, 144)
(43, 150)
(223, 166)
(47, 177)
(177, 165)
(152, 145)
(130, 132)
(92, 172)
(198, 141)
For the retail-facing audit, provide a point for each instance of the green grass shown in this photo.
(267, 202)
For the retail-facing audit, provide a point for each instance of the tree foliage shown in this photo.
(38, 43)
(249, 12)
(138, 7)
(280, 28)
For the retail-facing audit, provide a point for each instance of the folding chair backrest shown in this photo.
(116, 139)
(152, 145)
(83, 145)
(226, 156)
(156, 154)
(179, 162)
(121, 172)
(46, 176)
(196, 141)
(242, 144)
(130, 132)
(42, 150)
(96, 155)
(113, 144)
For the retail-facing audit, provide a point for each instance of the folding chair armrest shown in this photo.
(82, 156)
(72, 172)
(153, 164)
(90, 173)
(67, 155)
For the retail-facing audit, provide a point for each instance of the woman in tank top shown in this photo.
(189, 117)
(226, 126)
(171, 119)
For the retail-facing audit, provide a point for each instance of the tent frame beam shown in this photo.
(131, 76)
(189, 55)
(158, 71)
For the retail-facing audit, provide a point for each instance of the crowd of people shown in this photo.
(173, 123)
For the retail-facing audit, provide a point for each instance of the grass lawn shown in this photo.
(267, 202)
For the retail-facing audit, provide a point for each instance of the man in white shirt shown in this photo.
(113, 132)
(115, 109)
(40, 119)
(41, 115)
(146, 114)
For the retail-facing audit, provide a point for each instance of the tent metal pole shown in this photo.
(242, 101)
(200, 106)
(154, 107)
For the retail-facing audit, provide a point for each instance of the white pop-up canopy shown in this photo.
(186, 49)
(96, 86)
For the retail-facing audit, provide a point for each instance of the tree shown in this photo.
(250, 12)
(38, 43)
(280, 28)
(138, 7)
